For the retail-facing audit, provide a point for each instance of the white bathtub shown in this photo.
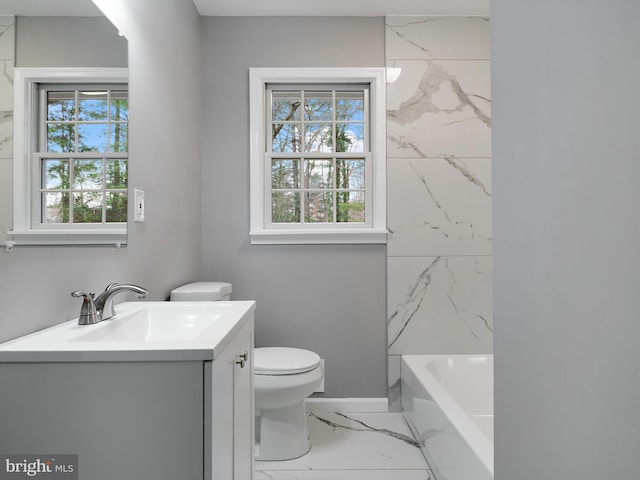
(448, 403)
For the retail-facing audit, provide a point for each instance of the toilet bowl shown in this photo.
(283, 379)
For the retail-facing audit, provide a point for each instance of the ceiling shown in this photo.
(341, 7)
(84, 8)
(48, 8)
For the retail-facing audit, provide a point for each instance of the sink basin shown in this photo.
(156, 323)
(139, 331)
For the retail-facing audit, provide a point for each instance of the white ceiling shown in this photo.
(341, 7)
(49, 8)
(82, 8)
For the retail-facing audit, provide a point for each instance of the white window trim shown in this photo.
(260, 233)
(25, 80)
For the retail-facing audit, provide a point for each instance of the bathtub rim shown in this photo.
(472, 434)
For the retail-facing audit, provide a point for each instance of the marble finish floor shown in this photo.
(353, 446)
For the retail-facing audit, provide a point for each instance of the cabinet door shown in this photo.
(229, 406)
(124, 420)
(243, 412)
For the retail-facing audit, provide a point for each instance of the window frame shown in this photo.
(27, 228)
(262, 231)
(302, 157)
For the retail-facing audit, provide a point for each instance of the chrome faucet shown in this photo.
(95, 310)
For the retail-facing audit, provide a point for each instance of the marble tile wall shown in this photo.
(438, 188)
(7, 62)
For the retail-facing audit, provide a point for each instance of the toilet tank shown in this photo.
(202, 292)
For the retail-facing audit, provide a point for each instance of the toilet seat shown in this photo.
(283, 361)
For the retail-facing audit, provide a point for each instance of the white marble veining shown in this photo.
(439, 193)
(6, 84)
(7, 37)
(6, 195)
(393, 378)
(440, 304)
(439, 107)
(452, 38)
(326, 474)
(7, 59)
(354, 446)
(450, 206)
(6, 115)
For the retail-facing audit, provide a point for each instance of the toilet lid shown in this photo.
(283, 360)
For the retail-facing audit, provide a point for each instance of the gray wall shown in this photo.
(566, 110)
(164, 161)
(330, 299)
(69, 42)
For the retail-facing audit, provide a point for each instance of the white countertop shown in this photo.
(140, 331)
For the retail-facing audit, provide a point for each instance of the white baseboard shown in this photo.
(347, 405)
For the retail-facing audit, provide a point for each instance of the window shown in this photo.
(318, 145)
(82, 154)
(317, 156)
(71, 156)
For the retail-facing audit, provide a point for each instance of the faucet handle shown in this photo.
(88, 312)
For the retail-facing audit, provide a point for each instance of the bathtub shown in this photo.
(447, 401)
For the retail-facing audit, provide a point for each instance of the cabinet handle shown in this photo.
(242, 359)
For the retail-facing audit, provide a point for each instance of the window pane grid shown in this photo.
(84, 119)
(331, 121)
(83, 191)
(86, 187)
(307, 186)
(315, 191)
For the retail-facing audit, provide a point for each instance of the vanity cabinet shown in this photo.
(229, 410)
(161, 415)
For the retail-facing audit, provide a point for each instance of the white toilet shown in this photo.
(283, 378)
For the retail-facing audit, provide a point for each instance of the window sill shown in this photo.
(113, 237)
(321, 237)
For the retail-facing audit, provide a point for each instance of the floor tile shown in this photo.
(360, 442)
(463, 474)
(343, 475)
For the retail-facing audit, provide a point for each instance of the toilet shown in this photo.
(283, 378)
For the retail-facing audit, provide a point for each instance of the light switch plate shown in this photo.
(139, 206)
